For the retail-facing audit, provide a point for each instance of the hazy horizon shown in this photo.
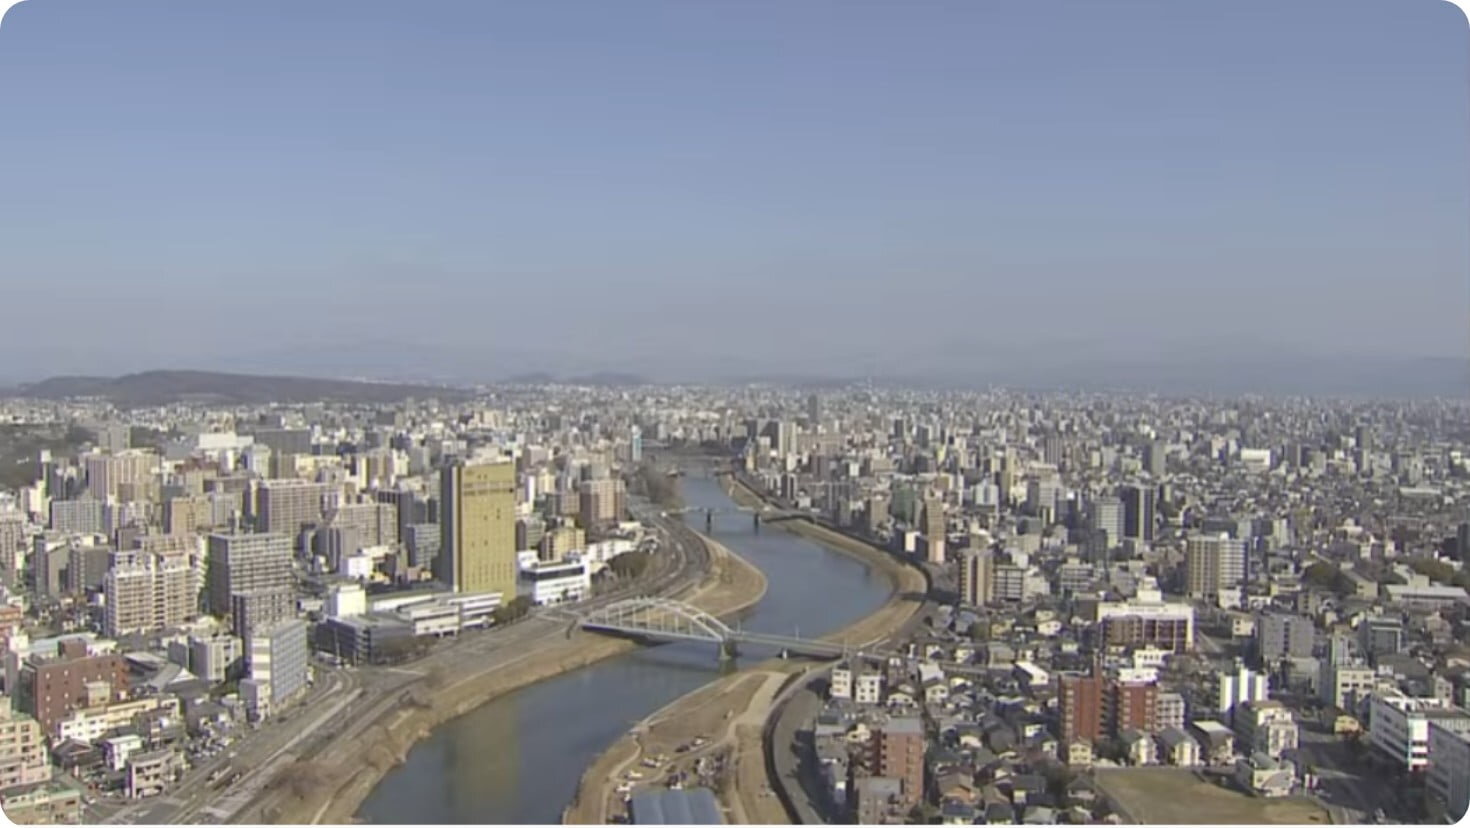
(673, 190)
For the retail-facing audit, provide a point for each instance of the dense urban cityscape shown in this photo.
(1119, 609)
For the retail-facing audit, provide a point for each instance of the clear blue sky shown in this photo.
(198, 184)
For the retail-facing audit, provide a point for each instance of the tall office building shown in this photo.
(12, 545)
(422, 541)
(934, 528)
(814, 409)
(370, 524)
(284, 506)
(785, 437)
(977, 568)
(478, 524)
(601, 500)
(1107, 517)
(1282, 635)
(86, 516)
(244, 563)
(1363, 437)
(1212, 564)
(1138, 512)
(1052, 449)
(253, 610)
(1043, 495)
(148, 591)
(1153, 459)
(279, 660)
(410, 508)
(635, 445)
(105, 472)
(284, 441)
(187, 515)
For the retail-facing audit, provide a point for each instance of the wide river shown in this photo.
(519, 758)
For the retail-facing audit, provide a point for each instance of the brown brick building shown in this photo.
(50, 687)
(1094, 707)
(1139, 630)
(898, 753)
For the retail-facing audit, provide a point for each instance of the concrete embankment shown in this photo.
(744, 703)
(346, 771)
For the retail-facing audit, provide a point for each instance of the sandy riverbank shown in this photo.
(732, 711)
(345, 771)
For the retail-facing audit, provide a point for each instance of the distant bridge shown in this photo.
(765, 514)
(669, 620)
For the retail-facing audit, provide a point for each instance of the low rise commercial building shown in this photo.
(1266, 726)
(89, 724)
(1264, 776)
(1344, 686)
(43, 803)
(555, 582)
(149, 774)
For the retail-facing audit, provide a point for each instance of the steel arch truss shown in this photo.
(661, 617)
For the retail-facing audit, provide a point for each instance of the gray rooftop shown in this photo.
(695, 806)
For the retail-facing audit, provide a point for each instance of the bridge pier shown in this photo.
(709, 519)
(728, 651)
(757, 519)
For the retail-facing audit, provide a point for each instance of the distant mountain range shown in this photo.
(1285, 375)
(162, 387)
(605, 379)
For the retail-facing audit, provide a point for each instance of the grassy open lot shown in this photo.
(1177, 796)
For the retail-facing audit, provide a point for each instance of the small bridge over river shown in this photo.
(668, 620)
(765, 514)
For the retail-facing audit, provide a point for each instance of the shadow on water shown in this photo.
(518, 759)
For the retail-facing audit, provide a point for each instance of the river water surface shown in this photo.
(519, 758)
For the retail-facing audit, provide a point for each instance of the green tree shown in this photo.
(629, 564)
(517, 609)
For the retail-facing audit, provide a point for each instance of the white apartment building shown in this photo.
(1266, 726)
(148, 591)
(92, 723)
(555, 582)
(1398, 726)
(1245, 685)
(841, 684)
(1449, 768)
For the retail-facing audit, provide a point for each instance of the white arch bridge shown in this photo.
(669, 620)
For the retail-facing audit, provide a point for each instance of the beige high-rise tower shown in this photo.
(478, 528)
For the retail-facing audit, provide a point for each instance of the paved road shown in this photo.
(192, 792)
(1348, 793)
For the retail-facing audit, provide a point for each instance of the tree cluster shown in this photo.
(629, 564)
(517, 609)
